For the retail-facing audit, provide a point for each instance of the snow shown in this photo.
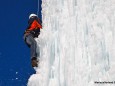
(77, 43)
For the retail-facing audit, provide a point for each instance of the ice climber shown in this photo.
(33, 31)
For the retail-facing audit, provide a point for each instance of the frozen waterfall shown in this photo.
(77, 43)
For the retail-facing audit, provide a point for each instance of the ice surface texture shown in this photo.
(77, 43)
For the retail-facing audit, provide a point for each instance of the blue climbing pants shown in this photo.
(31, 42)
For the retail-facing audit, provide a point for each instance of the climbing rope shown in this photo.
(38, 8)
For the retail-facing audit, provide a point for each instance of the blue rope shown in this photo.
(38, 8)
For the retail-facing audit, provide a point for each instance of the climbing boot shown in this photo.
(34, 62)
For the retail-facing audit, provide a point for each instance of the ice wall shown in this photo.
(77, 43)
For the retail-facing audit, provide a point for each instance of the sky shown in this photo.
(15, 66)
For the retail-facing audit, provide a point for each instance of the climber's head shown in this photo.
(32, 15)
